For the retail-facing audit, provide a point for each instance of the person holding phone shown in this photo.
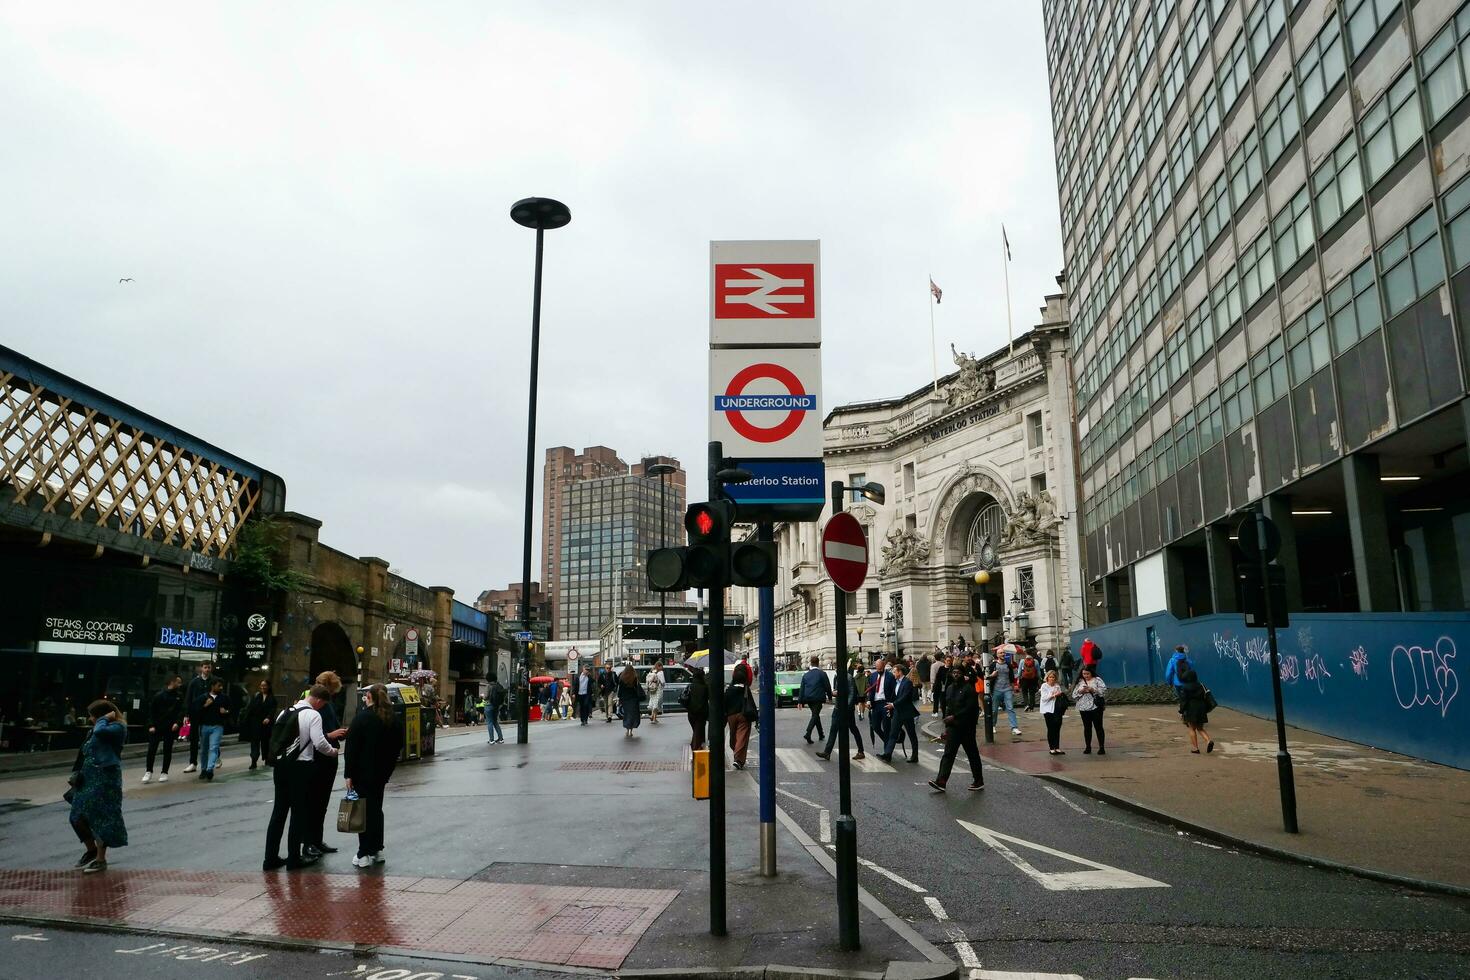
(96, 793)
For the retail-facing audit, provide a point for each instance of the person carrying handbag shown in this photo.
(1053, 704)
(741, 711)
(1090, 693)
(373, 742)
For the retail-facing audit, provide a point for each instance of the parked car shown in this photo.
(788, 687)
(676, 679)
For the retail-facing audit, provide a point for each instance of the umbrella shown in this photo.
(699, 657)
(1010, 648)
(541, 679)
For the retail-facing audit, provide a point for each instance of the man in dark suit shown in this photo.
(962, 715)
(905, 713)
(816, 691)
(880, 700)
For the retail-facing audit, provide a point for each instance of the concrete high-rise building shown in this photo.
(565, 466)
(1265, 208)
(607, 527)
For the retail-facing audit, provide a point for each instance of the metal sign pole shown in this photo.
(1283, 758)
(846, 829)
(767, 776)
(716, 743)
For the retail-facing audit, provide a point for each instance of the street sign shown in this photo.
(780, 486)
(764, 403)
(524, 636)
(765, 293)
(1248, 540)
(1253, 597)
(845, 552)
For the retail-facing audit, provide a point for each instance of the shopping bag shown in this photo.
(352, 815)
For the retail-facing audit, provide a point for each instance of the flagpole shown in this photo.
(1005, 262)
(933, 357)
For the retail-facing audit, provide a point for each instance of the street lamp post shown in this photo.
(982, 578)
(662, 471)
(860, 644)
(540, 213)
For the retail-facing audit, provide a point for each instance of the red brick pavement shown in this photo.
(576, 926)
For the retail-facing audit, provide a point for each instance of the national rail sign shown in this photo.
(765, 294)
(764, 403)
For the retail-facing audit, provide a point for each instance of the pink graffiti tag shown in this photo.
(1425, 676)
(1359, 659)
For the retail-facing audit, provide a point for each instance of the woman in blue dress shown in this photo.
(96, 795)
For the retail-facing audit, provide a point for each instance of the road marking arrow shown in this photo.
(764, 284)
(37, 938)
(1101, 876)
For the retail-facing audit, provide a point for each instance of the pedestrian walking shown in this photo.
(210, 715)
(165, 715)
(1195, 704)
(564, 699)
(655, 686)
(607, 691)
(1049, 662)
(495, 700)
(905, 713)
(1177, 663)
(1030, 681)
(962, 705)
(1001, 678)
(739, 712)
(297, 740)
(1053, 706)
(1090, 695)
(880, 700)
(925, 672)
(845, 714)
(941, 669)
(255, 723)
(628, 695)
(695, 699)
(96, 788)
(469, 708)
(1068, 665)
(324, 772)
(586, 694)
(194, 694)
(374, 740)
(816, 691)
(1091, 654)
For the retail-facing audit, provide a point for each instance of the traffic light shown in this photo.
(666, 570)
(707, 559)
(753, 563)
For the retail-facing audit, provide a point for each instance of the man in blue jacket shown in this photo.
(905, 713)
(1176, 666)
(816, 690)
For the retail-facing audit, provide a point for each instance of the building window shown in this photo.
(1444, 65)
(908, 477)
(1196, 33)
(1026, 587)
(1279, 122)
(1338, 184)
(873, 602)
(1191, 243)
(849, 602)
(1038, 484)
(1321, 66)
(1233, 73)
(1201, 335)
(1391, 127)
(1225, 302)
(857, 479)
(1216, 208)
(1457, 211)
(1352, 307)
(1173, 77)
(1245, 169)
(1033, 431)
(1412, 263)
(1307, 348)
(1364, 18)
(895, 606)
(1211, 421)
(1257, 272)
(1268, 369)
(1235, 399)
(1292, 230)
(1263, 23)
(1153, 118)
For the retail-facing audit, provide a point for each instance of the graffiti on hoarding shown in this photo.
(1424, 676)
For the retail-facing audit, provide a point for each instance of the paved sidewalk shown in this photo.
(1356, 806)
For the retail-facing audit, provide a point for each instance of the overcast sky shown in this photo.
(313, 202)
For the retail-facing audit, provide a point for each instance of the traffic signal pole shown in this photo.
(1284, 775)
(766, 610)
(716, 682)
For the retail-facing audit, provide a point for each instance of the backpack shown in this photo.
(1028, 670)
(684, 699)
(284, 733)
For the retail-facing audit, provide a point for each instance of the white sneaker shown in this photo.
(190, 767)
(1015, 731)
(362, 862)
(378, 858)
(163, 777)
(147, 776)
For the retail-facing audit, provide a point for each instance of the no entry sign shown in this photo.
(845, 552)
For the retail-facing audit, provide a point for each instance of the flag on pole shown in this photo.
(938, 293)
(1007, 242)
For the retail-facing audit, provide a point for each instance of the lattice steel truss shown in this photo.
(66, 458)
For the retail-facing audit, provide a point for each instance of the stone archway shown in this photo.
(331, 649)
(959, 501)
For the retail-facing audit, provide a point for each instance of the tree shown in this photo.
(259, 564)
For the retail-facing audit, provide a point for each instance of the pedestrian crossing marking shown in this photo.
(795, 760)
(871, 763)
(1100, 876)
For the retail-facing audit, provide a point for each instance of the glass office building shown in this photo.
(1266, 213)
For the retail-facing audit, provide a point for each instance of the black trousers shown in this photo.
(370, 841)
(961, 735)
(194, 728)
(291, 780)
(699, 724)
(852, 729)
(319, 794)
(584, 707)
(816, 709)
(939, 700)
(167, 737)
(260, 744)
(1090, 720)
(878, 721)
(1053, 729)
(897, 732)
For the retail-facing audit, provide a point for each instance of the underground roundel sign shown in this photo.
(845, 552)
(764, 403)
(786, 409)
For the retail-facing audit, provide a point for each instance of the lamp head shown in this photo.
(982, 577)
(540, 213)
(872, 491)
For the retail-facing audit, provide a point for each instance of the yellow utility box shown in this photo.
(700, 771)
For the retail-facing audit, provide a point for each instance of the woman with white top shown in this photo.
(1089, 695)
(1051, 713)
